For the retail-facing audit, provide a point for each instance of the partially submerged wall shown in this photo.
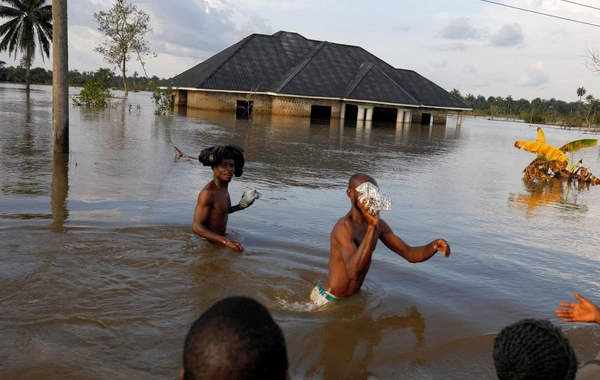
(282, 105)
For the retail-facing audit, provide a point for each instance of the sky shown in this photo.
(474, 46)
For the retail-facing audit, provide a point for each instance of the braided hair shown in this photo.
(533, 349)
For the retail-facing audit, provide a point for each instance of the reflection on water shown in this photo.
(60, 189)
(549, 192)
(337, 360)
(101, 280)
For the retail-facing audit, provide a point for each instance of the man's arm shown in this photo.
(235, 208)
(247, 200)
(201, 218)
(411, 254)
(355, 259)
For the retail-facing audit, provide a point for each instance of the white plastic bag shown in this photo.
(249, 196)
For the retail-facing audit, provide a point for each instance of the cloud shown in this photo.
(454, 46)
(440, 65)
(535, 75)
(508, 35)
(191, 30)
(402, 28)
(459, 29)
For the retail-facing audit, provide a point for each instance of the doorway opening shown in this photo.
(243, 109)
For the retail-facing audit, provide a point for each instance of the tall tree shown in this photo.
(509, 101)
(125, 28)
(456, 93)
(29, 24)
(580, 92)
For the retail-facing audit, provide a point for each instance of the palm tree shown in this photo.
(29, 24)
(580, 92)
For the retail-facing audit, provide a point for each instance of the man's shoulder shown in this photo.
(207, 191)
(343, 225)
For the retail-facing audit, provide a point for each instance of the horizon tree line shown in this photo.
(39, 75)
(538, 110)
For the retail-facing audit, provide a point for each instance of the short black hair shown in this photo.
(533, 349)
(236, 338)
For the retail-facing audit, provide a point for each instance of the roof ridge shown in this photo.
(242, 44)
(429, 81)
(296, 69)
(360, 76)
(365, 67)
(398, 85)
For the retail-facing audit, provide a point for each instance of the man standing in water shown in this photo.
(214, 205)
(352, 242)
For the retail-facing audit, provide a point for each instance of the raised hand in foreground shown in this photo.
(583, 311)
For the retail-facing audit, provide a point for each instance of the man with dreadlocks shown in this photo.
(214, 205)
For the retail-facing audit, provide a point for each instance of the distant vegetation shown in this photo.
(584, 112)
(78, 79)
(538, 111)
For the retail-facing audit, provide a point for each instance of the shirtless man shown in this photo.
(214, 205)
(352, 242)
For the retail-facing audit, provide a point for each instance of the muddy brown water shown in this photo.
(100, 278)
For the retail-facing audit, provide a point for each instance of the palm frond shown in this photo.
(541, 138)
(576, 145)
(542, 149)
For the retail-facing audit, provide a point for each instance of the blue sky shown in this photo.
(471, 45)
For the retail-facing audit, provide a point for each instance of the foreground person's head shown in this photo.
(533, 349)
(236, 338)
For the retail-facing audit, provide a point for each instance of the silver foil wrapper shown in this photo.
(375, 200)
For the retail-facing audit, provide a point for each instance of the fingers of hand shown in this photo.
(567, 304)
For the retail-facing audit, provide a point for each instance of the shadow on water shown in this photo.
(347, 346)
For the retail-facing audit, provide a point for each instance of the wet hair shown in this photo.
(236, 338)
(533, 349)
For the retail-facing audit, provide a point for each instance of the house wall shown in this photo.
(439, 116)
(276, 105)
(221, 101)
(292, 106)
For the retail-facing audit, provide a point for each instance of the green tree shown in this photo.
(580, 92)
(456, 93)
(41, 76)
(104, 77)
(95, 93)
(509, 101)
(29, 24)
(125, 28)
(16, 75)
(470, 99)
(591, 110)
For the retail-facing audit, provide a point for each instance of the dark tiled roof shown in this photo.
(426, 91)
(288, 63)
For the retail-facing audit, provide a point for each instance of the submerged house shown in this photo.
(288, 74)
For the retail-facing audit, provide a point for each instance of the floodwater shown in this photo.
(99, 278)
